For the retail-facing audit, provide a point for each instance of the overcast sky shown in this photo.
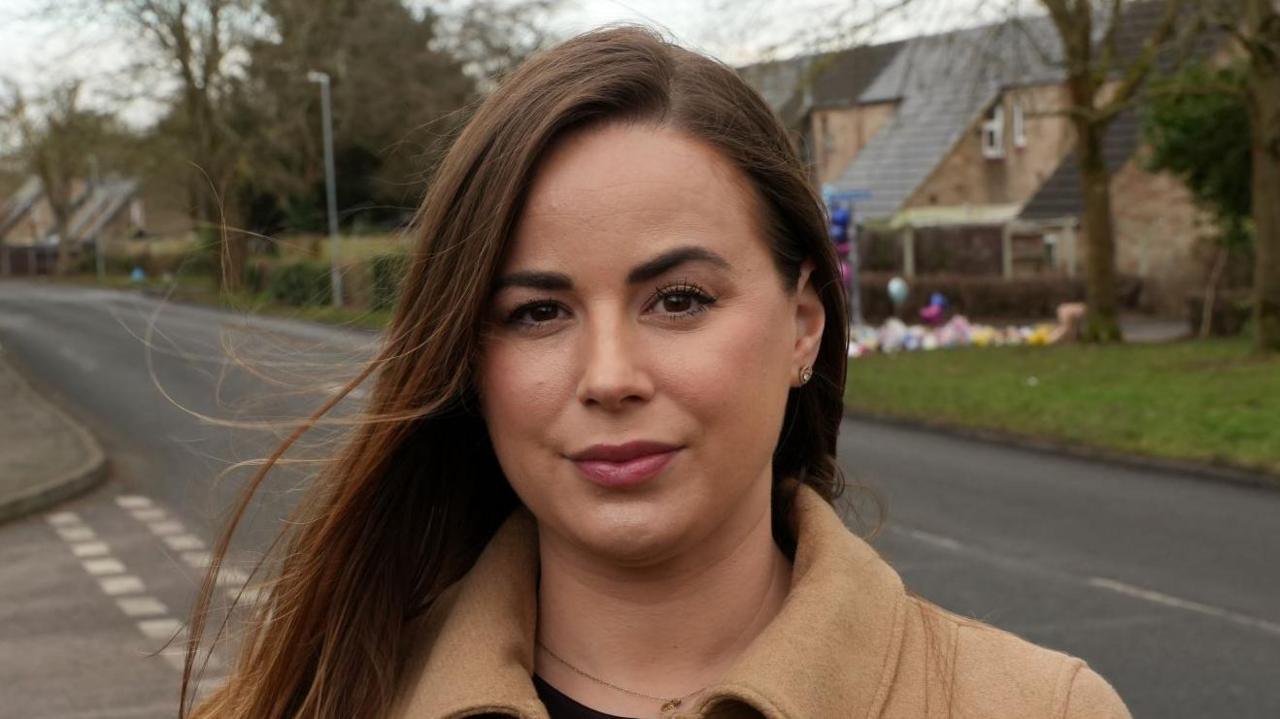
(35, 53)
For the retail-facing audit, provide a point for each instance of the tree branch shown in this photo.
(1140, 68)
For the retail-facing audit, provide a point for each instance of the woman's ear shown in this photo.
(811, 319)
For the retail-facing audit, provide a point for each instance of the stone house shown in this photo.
(106, 211)
(963, 133)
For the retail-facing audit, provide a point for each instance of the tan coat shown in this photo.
(849, 642)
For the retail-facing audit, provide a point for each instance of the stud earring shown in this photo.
(806, 374)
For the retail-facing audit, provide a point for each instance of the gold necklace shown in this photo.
(668, 703)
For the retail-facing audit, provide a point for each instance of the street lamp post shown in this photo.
(99, 261)
(330, 183)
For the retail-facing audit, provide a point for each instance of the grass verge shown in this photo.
(1208, 401)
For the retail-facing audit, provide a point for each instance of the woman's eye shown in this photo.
(683, 300)
(678, 303)
(535, 313)
(675, 301)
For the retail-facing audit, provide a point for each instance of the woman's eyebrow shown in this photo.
(665, 262)
(670, 260)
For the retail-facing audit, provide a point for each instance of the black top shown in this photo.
(561, 706)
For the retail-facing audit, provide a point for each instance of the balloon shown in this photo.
(898, 290)
(932, 315)
(893, 335)
(955, 333)
(984, 336)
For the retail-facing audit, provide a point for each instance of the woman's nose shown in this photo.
(613, 372)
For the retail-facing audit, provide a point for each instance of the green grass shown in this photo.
(1205, 401)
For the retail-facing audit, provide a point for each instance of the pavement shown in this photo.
(1145, 329)
(45, 456)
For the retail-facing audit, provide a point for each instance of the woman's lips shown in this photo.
(632, 472)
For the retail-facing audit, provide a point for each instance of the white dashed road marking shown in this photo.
(105, 565)
(936, 540)
(90, 549)
(150, 614)
(183, 542)
(141, 606)
(128, 590)
(355, 393)
(133, 502)
(164, 628)
(1112, 585)
(1186, 604)
(76, 534)
(63, 519)
(231, 580)
(198, 560)
(230, 576)
(150, 514)
(163, 529)
(124, 584)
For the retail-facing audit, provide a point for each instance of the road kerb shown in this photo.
(1199, 470)
(44, 492)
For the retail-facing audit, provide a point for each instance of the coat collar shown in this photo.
(831, 650)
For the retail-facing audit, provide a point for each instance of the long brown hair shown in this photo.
(408, 502)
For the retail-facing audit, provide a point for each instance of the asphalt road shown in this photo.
(1168, 585)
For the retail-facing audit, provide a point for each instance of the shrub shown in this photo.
(986, 297)
(256, 275)
(1232, 311)
(193, 262)
(975, 251)
(357, 283)
(388, 272)
(301, 284)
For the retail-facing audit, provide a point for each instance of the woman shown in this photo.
(597, 472)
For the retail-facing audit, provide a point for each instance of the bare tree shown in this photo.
(54, 141)
(394, 97)
(490, 37)
(194, 46)
(1096, 99)
(1255, 26)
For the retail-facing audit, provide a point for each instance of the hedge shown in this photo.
(302, 284)
(1232, 313)
(388, 272)
(986, 297)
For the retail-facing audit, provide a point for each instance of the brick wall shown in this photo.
(965, 176)
(839, 134)
(1160, 235)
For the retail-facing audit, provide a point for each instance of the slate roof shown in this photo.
(799, 85)
(19, 204)
(840, 78)
(779, 82)
(1061, 195)
(106, 200)
(93, 207)
(942, 84)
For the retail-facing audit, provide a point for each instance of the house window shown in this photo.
(993, 133)
(1019, 127)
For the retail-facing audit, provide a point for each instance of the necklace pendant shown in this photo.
(671, 705)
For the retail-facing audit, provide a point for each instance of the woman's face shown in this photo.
(640, 348)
